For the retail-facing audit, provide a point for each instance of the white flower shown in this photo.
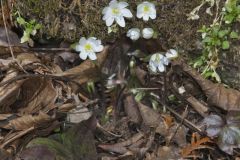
(89, 47)
(181, 90)
(171, 54)
(134, 34)
(147, 33)
(146, 10)
(157, 62)
(116, 11)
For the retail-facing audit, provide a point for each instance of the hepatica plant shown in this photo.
(146, 10)
(116, 11)
(226, 131)
(89, 47)
(158, 62)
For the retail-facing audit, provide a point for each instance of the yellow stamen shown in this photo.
(88, 47)
(158, 59)
(146, 9)
(115, 11)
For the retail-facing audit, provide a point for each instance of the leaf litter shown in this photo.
(47, 109)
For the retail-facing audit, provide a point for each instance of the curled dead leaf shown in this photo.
(27, 121)
(86, 71)
(217, 94)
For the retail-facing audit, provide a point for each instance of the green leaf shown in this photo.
(229, 18)
(198, 63)
(207, 74)
(38, 26)
(25, 37)
(234, 35)
(222, 33)
(207, 39)
(139, 96)
(33, 21)
(230, 5)
(21, 21)
(225, 45)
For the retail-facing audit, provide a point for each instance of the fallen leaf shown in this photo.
(150, 117)
(86, 71)
(26, 121)
(217, 94)
(165, 153)
(196, 144)
(36, 93)
(9, 92)
(37, 153)
(132, 110)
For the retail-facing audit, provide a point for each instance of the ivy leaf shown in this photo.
(225, 45)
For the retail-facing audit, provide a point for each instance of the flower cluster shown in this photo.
(135, 33)
(117, 11)
(158, 61)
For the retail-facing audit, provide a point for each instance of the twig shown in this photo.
(103, 129)
(179, 125)
(8, 39)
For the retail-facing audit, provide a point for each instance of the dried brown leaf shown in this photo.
(87, 70)
(9, 92)
(27, 58)
(37, 93)
(217, 94)
(132, 110)
(150, 117)
(27, 121)
(196, 144)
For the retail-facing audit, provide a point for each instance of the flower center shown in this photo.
(146, 9)
(158, 59)
(115, 11)
(88, 47)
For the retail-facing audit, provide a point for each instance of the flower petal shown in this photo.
(145, 17)
(113, 3)
(153, 15)
(83, 55)
(98, 48)
(139, 14)
(126, 13)
(122, 5)
(82, 41)
(120, 21)
(78, 48)
(109, 21)
(152, 67)
(92, 56)
(161, 68)
(105, 10)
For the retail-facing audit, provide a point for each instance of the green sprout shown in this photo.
(30, 28)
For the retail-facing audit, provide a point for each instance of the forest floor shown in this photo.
(55, 106)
